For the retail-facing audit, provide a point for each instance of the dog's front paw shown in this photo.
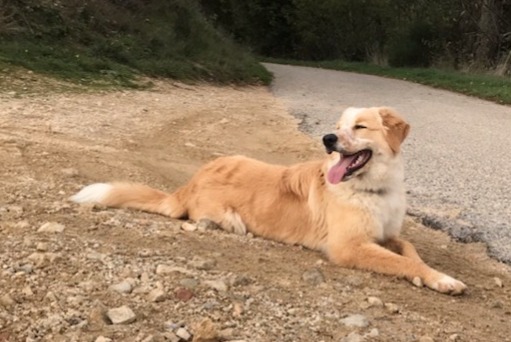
(446, 284)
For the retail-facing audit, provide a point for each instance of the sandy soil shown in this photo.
(201, 285)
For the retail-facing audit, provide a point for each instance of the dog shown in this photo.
(350, 206)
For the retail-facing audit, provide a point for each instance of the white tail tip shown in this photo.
(94, 193)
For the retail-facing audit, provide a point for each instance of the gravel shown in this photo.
(457, 162)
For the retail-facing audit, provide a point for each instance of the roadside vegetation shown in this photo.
(114, 42)
(484, 86)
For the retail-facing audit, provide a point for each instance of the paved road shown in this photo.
(458, 155)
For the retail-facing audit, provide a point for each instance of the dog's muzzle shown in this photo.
(330, 142)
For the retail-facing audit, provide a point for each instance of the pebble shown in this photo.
(426, 339)
(205, 224)
(313, 276)
(357, 320)
(454, 337)
(206, 331)
(156, 295)
(6, 300)
(188, 227)
(70, 172)
(392, 308)
(498, 282)
(183, 334)
(189, 283)
(352, 337)
(184, 294)
(165, 269)
(121, 315)
(103, 339)
(41, 247)
(373, 333)
(203, 264)
(374, 301)
(122, 287)
(51, 227)
(218, 285)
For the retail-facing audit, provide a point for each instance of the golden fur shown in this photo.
(356, 220)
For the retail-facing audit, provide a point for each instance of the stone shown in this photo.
(218, 285)
(203, 264)
(7, 301)
(189, 283)
(156, 295)
(205, 224)
(357, 320)
(69, 172)
(206, 331)
(426, 339)
(498, 282)
(374, 301)
(41, 247)
(352, 337)
(102, 339)
(183, 334)
(165, 269)
(313, 276)
(392, 308)
(51, 227)
(121, 315)
(184, 294)
(122, 287)
(373, 333)
(188, 227)
(454, 337)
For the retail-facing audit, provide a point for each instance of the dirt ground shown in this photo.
(204, 284)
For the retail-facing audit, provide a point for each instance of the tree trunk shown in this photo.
(488, 39)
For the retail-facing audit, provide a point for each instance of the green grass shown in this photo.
(113, 43)
(488, 87)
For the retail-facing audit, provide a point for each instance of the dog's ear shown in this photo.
(396, 128)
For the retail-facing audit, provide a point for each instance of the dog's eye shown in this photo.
(359, 127)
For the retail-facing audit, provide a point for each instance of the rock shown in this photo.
(51, 227)
(183, 334)
(171, 337)
(165, 269)
(352, 337)
(184, 294)
(357, 320)
(98, 315)
(237, 309)
(27, 291)
(69, 172)
(157, 295)
(121, 315)
(7, 301)
(206, 331)
(454, 337)
(41, 247)
(203, 264)
(374, 301)
(205, 224)
(426, 339)
(188, 227)
(218, 285)
(498, 282)
(189, 283)
(122, 287)
(373, 333)
(313, 276)
(103, 339)
(392, 308)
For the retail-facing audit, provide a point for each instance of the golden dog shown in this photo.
(350, 206)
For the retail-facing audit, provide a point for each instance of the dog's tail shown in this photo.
(131, 195)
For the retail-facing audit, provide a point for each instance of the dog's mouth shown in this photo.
(347, 165)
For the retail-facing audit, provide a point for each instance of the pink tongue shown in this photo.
(337, 172)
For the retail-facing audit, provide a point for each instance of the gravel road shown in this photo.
(458, 162)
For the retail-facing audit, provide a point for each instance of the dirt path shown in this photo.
(217, 286)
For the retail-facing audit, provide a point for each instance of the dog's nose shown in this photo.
(329, 141)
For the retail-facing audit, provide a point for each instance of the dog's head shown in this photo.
(363, 136)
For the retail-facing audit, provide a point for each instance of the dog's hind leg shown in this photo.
(402, 247)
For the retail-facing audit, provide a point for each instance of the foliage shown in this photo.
(400, 32)
(117, 39)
